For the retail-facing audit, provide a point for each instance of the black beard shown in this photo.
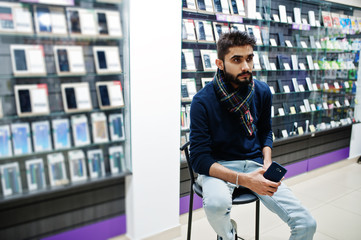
(231, 79)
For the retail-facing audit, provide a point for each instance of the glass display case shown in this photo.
(64, 95)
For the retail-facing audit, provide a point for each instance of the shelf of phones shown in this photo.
(282, 114)
(70, 38)
(58, 21)
(43, 190)
(211, 16)
(303, 26)
(212, 45)
(96, 75)
(344, 87)
(82, 168)
(32, 100)
(7, 118)
(310, 129)
(17, 138)
(30, 61)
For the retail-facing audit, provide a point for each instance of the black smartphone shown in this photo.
(281, 39)
(219, 29)
(234, 6)
(184, 2)
(184, 64)
(74, 22)
(20, 60)
(202, 34)
(102, 23)
(275, 172)
(201, 5)
(207, 61)
(250, 31)
(117, 127)
(104, 95)
(117, 161)
(218, 5)
(70, 98)
(24, 101)
(184, 91)
(63, 60)
(101, 60)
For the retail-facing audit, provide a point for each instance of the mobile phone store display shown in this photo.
(306, 52)
(62, 95)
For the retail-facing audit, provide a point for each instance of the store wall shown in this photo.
(152, 195)
(355, 3)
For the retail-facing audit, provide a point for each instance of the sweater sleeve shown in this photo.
(200, 139)
(265, 123)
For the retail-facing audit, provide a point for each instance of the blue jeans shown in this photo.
(217, 203)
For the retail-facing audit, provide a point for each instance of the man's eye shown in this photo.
(249, 59)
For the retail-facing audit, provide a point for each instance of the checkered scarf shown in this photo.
(235, 102)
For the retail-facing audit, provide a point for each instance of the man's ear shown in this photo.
(219, 64)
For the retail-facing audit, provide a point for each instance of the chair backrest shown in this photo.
(185, 148)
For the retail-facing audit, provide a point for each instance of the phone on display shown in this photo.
(102, 23)
(44, 19)
(63, 60)
(207, 61)
(201, 5)
(202, 35)
(6, 21)
(184, 91)
(24, 100)
(184, 64)
(20, 60)
(101, 59)
(70, 98)
(104, 95)
(234, 6)
(74, 22)
(275, 172)
(218, 6)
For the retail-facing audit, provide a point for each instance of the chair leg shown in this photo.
(190, 213)
(257, 219)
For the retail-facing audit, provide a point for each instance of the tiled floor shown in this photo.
(331, 193)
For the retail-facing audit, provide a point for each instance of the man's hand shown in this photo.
(257, 183)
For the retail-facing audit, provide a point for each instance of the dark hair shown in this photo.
(233, 39)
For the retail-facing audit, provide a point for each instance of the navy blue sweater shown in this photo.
(216, 134)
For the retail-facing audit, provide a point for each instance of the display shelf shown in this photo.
(33, 154)
(5, 76)
(304, 92)
(312, 112)
(60, 190)
(58, 114)
(271, 29)
(46, 37)
(90, 61)
(78, 39)
(209, 45)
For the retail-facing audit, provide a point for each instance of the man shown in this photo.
(231, 142)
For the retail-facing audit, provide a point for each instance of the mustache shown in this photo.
(244, 74)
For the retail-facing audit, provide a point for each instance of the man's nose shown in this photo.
(244, 66)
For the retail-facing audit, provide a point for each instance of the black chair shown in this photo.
(240, 196)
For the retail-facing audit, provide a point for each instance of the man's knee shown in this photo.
(217, 204)
(305, 226)
(311, 225)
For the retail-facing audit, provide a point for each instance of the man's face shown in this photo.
(238, 66)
